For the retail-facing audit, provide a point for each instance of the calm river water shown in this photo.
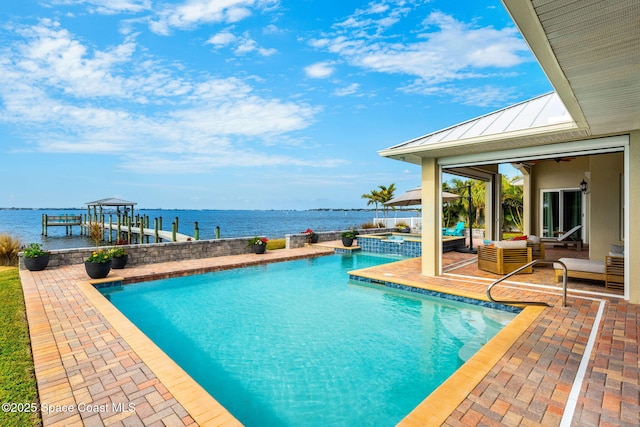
(25, 224)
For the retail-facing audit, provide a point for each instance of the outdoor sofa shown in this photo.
(503, 262)
(505, 256)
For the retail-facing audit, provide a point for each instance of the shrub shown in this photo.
(34, 250)
(257, 241)
(95, 231)
(9, 248)
(368, 225)
(117, 251)
(276, 244)
(100, 256)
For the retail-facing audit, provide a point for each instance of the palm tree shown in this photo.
(512, 204)
(374, 199)
(381, 196)
(460, 207)
(386, 194)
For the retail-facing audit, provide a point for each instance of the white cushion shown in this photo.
(534, 239)
(616, 250)
(511, 244)
(586, 265)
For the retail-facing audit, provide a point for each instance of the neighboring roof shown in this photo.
(111, 202)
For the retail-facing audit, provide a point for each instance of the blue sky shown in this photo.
(240, 104)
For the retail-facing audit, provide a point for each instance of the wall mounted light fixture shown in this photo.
(584, 187)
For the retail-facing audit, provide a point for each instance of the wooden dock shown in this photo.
(67, 221)
(139, 228)
(156, 234)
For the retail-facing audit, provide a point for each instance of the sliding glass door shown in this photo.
(561, 211)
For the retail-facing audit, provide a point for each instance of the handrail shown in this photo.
(516, 271)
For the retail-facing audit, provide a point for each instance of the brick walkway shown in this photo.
(84, 362)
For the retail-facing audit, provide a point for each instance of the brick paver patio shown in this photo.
(89, 374)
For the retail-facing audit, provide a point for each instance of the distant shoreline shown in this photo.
(237, 210)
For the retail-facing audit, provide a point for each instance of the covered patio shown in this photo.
(577, 147)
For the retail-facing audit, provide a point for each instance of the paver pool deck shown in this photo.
(576, 365)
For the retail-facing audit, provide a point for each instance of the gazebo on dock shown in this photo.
(121, 206)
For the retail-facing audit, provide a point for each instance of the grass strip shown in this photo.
(18, 390)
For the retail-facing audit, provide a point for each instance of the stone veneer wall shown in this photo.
(150, 253)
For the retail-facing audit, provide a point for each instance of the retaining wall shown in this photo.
(150, 253)
(299, 240)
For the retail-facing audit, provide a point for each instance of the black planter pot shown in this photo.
(37, 263)
(118, 263)
(259, 249)
(97, 270)
(314, 238)
(347, 241)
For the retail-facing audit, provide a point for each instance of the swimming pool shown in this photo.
(295, 343)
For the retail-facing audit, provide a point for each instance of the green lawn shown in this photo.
(17, 380)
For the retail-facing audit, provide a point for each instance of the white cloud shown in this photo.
(480, 96)
(221, 39)
(320, 70)
(272, 29)
(347, 90)
(242, 45)
(109, 7)
(247, 45)
(64, 96)
(443, 50)
(193, 13)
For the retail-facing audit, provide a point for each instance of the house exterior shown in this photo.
(585, 132)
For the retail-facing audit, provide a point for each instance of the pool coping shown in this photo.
(194, 398)
(72, 342)
(204, 409)
(443, 401)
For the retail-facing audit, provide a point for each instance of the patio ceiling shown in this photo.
(589, 50)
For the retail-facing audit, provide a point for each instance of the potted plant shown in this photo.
(35, 259)
(119, 257)
(258, 244)
(348, 236)
(98, 264)
(311, 236)
(403, 227)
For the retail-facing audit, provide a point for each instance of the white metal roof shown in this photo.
(542, 111)
(111, 201)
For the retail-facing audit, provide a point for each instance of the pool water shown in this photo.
(296, 344)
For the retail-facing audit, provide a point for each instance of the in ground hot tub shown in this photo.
(405, 244)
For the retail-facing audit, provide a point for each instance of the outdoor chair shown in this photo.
(566, 239)
(456, 231)
(537, 247)
(504, 257)
(611, 270)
